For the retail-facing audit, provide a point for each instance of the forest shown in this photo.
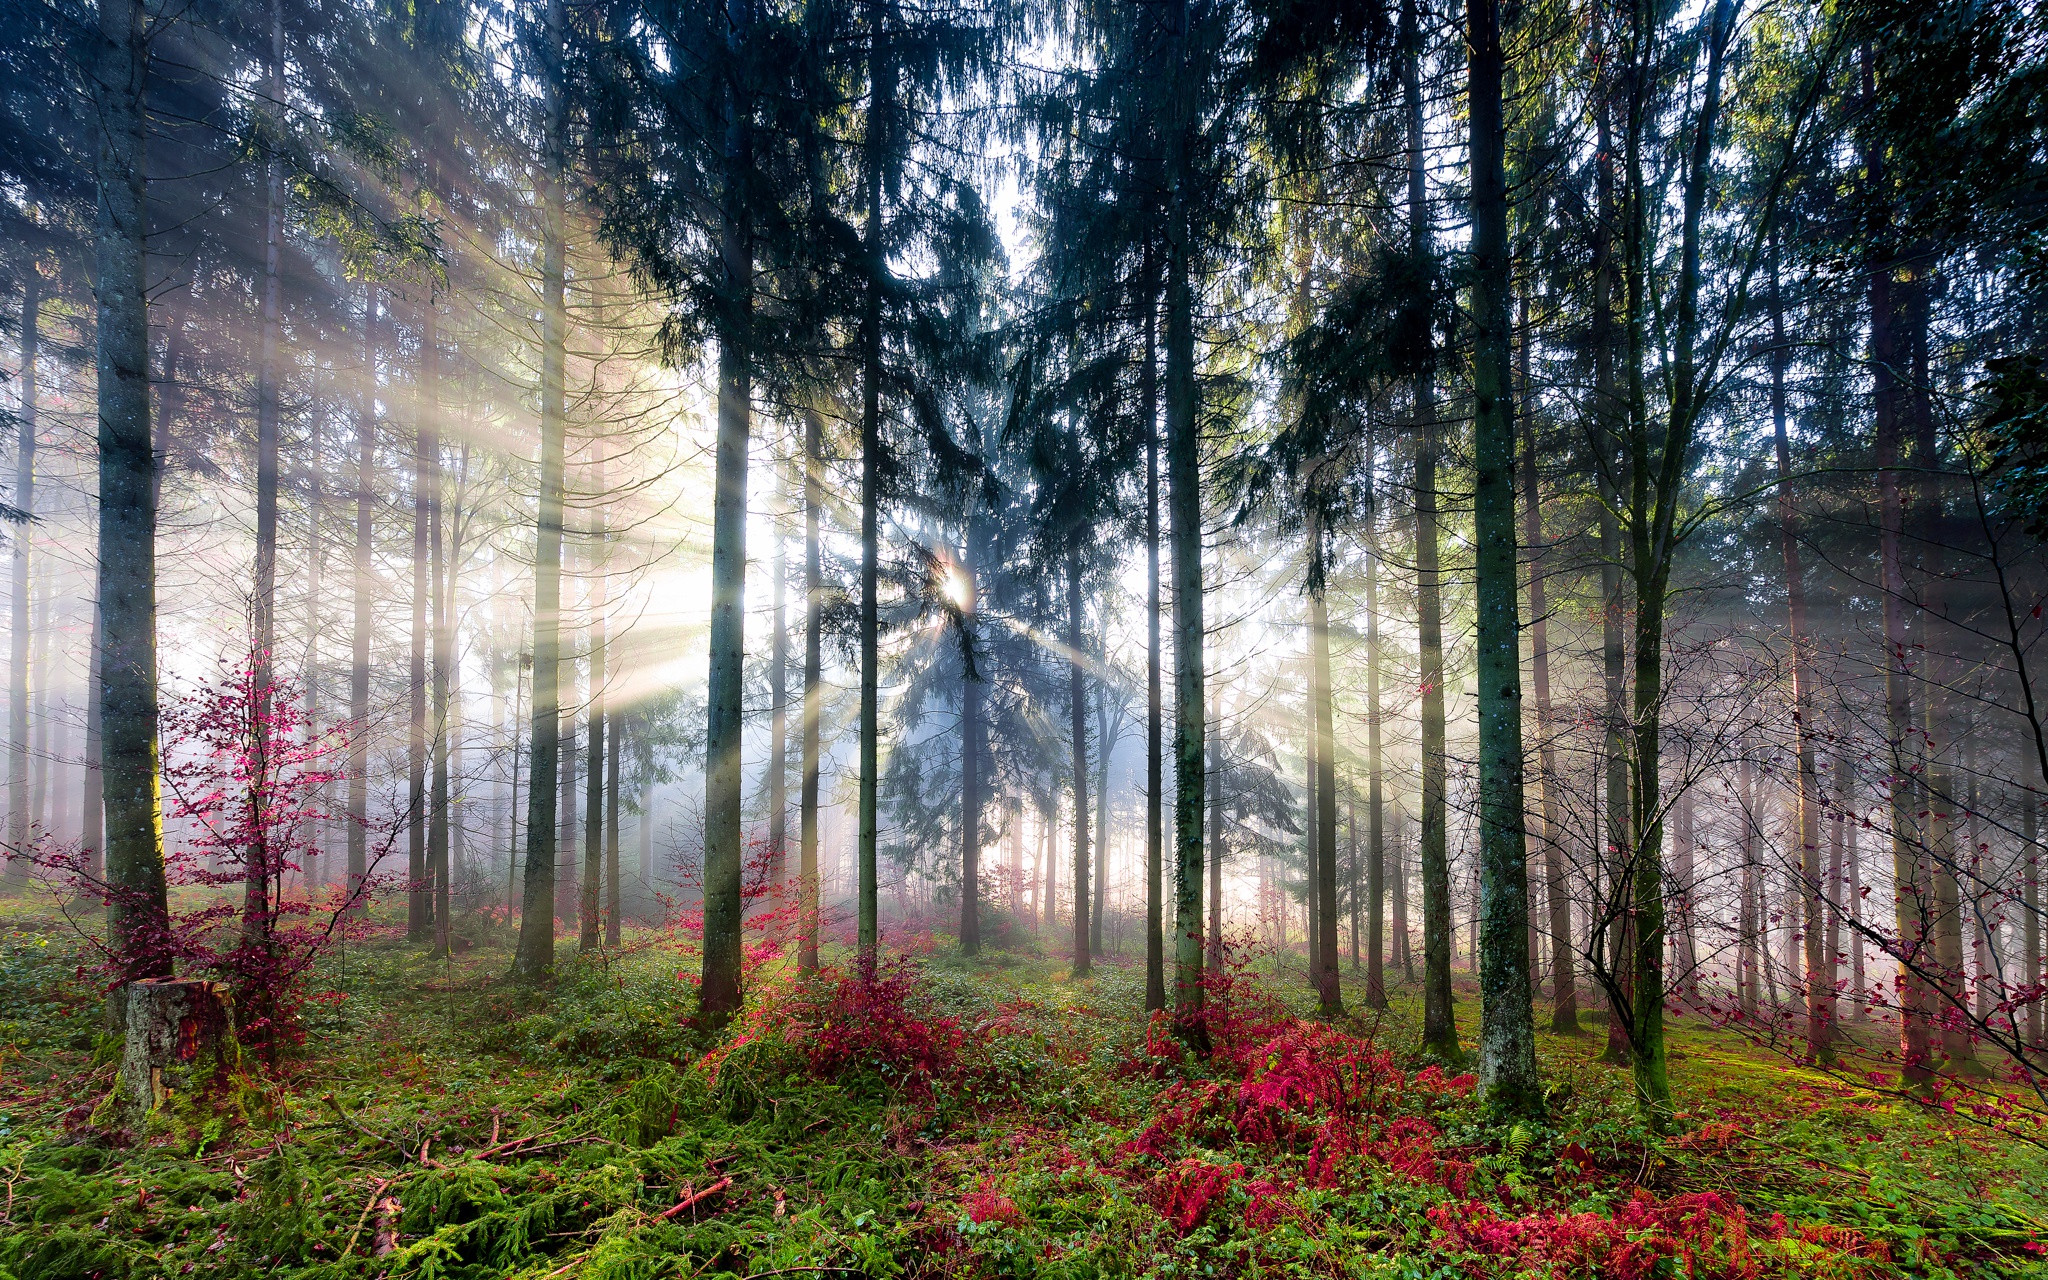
(1024, 638)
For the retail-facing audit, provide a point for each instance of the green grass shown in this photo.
(861, 1175)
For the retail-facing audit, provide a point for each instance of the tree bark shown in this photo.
(1439, 1029)
(813, 707)
(589, 914)
(1077, 704)
(1564, 992)
(1375, 782)
(419, 898)
(778, 690)
(881, 102)
(1820, 999)
(535, 959)
(1507, 1042)
(365, 586)
(1155, 831)
(1184, 521)
(719, 992)
(1329, 993)
(1911, 875)
(20, 628)
(971, 787)
(137, 907)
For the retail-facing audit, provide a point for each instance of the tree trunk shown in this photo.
(719, 993)
(1507, 1042)
(1820, 999)
(1911, 875)
(1106, 735)
(814, 632)
(613, 897)
(1217, 850)
(92, 803)
(441, 571)
(365, 586)
(258, 859)
(1155, 832)
(1564, 992)
(419, 898)
(1375, 783)
(778, 690)
(1184, 521)
(1077, 704)
(1323, 965)
(881, 101)
(535, 959)
(1311, 814)
(20, 627)
(137, 907)
(1439, 1030)
(2030, 835)
(589, 921)
(970, 792)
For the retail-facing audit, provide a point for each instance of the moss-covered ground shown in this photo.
(974, 1117)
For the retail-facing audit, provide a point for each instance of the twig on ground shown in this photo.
(697, 1198)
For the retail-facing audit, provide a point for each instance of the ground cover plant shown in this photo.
(954, 1116)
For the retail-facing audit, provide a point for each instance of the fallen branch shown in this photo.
(698, 1198)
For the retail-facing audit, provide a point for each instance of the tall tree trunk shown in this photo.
(258, 858)
(137, 906)
(1354, 876)
(535, 959)
(972, 735)
(419, 899)
(719, 993)
(1106, 735)
(21, 628)
(1077, 703)
(1564, 992)
(2030, 835)
(1820, 997)
(1746, 925)
(1155, 832)
(1507, 1038)
(1375, 781)
(1911, 875)
(814, 633)
(1324, 962)
(590, 924)
(92, 803)
(441, 725)
(1940, 733)
(365, 586)
(881, 101)
(614, 898)
(1439, 1030)
(778, 690)
(1218, 850)
(1184, 530)
(1311, 815)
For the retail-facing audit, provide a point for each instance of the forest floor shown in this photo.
(960, 1117)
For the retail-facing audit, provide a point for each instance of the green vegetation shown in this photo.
(974, 1117)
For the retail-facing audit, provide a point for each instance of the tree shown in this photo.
(1507, 1039)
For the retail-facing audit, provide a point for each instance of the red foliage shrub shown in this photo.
(1184, 1191)
(986, 1204)
(844, 1025)
(1705, 1235)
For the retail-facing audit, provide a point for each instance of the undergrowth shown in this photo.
(953, 1117)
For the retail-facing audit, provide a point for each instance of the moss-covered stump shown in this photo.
(179, 1047)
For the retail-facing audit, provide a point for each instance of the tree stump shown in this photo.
(180, 1041)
